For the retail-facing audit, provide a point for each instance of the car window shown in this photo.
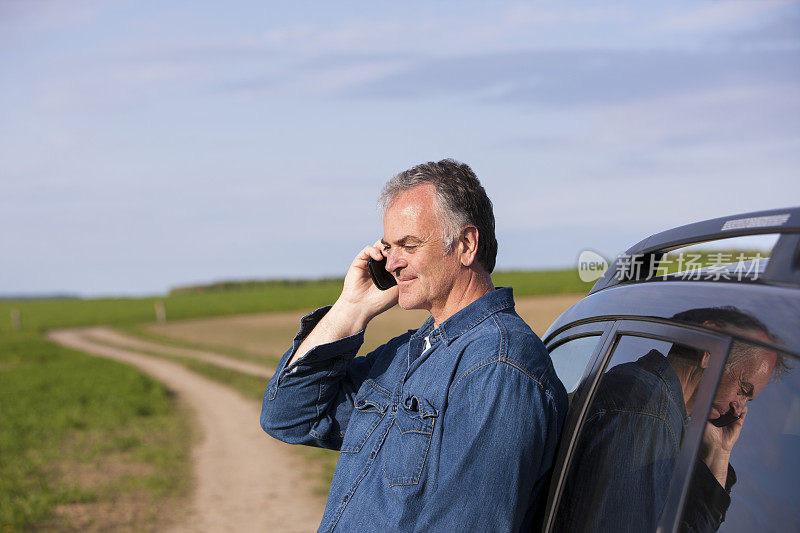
(763, 448)
(623, 461)
(723, 259)
(571, 358)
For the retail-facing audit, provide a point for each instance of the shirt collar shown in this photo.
(469, 317)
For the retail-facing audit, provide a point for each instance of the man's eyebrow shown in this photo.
(402, 240)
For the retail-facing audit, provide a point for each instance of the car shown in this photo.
(638, 445)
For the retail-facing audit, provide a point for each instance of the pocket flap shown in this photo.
(370, 399)
(419, 407)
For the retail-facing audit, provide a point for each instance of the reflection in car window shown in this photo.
(570, 360)
(763, 464)
(621, 469)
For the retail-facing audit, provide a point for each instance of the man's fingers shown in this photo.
(370, 251)
(378, 247)
(373, 251)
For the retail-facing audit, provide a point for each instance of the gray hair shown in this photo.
(730, 318)
(460, 200)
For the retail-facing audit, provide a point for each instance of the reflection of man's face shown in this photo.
(412, 239)
(743, 382)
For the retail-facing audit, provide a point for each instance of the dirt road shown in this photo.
(245, 481)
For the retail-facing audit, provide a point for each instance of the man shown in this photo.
(451, 427)
(634, 429)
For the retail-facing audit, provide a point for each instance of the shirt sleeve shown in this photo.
(707, 501)
(498, 441)
(310, 402)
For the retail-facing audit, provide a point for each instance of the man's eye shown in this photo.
(409, 247)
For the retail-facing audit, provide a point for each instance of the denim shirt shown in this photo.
(458, 438)
(624, 460)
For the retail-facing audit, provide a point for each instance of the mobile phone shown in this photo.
(725, 419)
(380, 276)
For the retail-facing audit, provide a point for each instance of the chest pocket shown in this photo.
(408, 441)
(370, 408)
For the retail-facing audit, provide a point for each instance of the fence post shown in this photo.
(16, 319)
(161, 312)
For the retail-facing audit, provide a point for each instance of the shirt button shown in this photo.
(394, 408)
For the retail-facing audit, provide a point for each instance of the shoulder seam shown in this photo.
(494, 360)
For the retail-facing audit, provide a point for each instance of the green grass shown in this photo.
(694, 258)
(65, 415)
(233, 299)
(40, 315)
(542, 282)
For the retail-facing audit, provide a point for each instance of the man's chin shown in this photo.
(407, 301)
(406, 306)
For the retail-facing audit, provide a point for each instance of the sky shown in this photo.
(146, 145)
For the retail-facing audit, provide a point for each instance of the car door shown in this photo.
(620, 453)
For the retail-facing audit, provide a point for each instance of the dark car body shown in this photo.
(630, 310)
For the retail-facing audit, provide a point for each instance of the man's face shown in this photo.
(412, 244)
(743, 382)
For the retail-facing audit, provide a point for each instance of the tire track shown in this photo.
(110, 336)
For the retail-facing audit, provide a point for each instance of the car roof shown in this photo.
(782, 268)
(773, 297)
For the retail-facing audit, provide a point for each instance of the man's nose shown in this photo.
(393, 261)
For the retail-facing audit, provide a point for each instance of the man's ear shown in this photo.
(704, 360)
(468, 245)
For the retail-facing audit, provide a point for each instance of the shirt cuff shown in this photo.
(322, 353)
(717, 498)
(731, 481)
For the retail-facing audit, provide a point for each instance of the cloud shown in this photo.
(705, 17)
(584, 77)
(318, 77)
(779, 30)
(32, 20)
(516, 54)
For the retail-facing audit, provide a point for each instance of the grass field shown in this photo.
(264, 337)
(40, 315)
(91, 445)
(86, 444)
(235, 299)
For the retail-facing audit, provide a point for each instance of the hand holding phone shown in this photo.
(725, 419)
(380, 276)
